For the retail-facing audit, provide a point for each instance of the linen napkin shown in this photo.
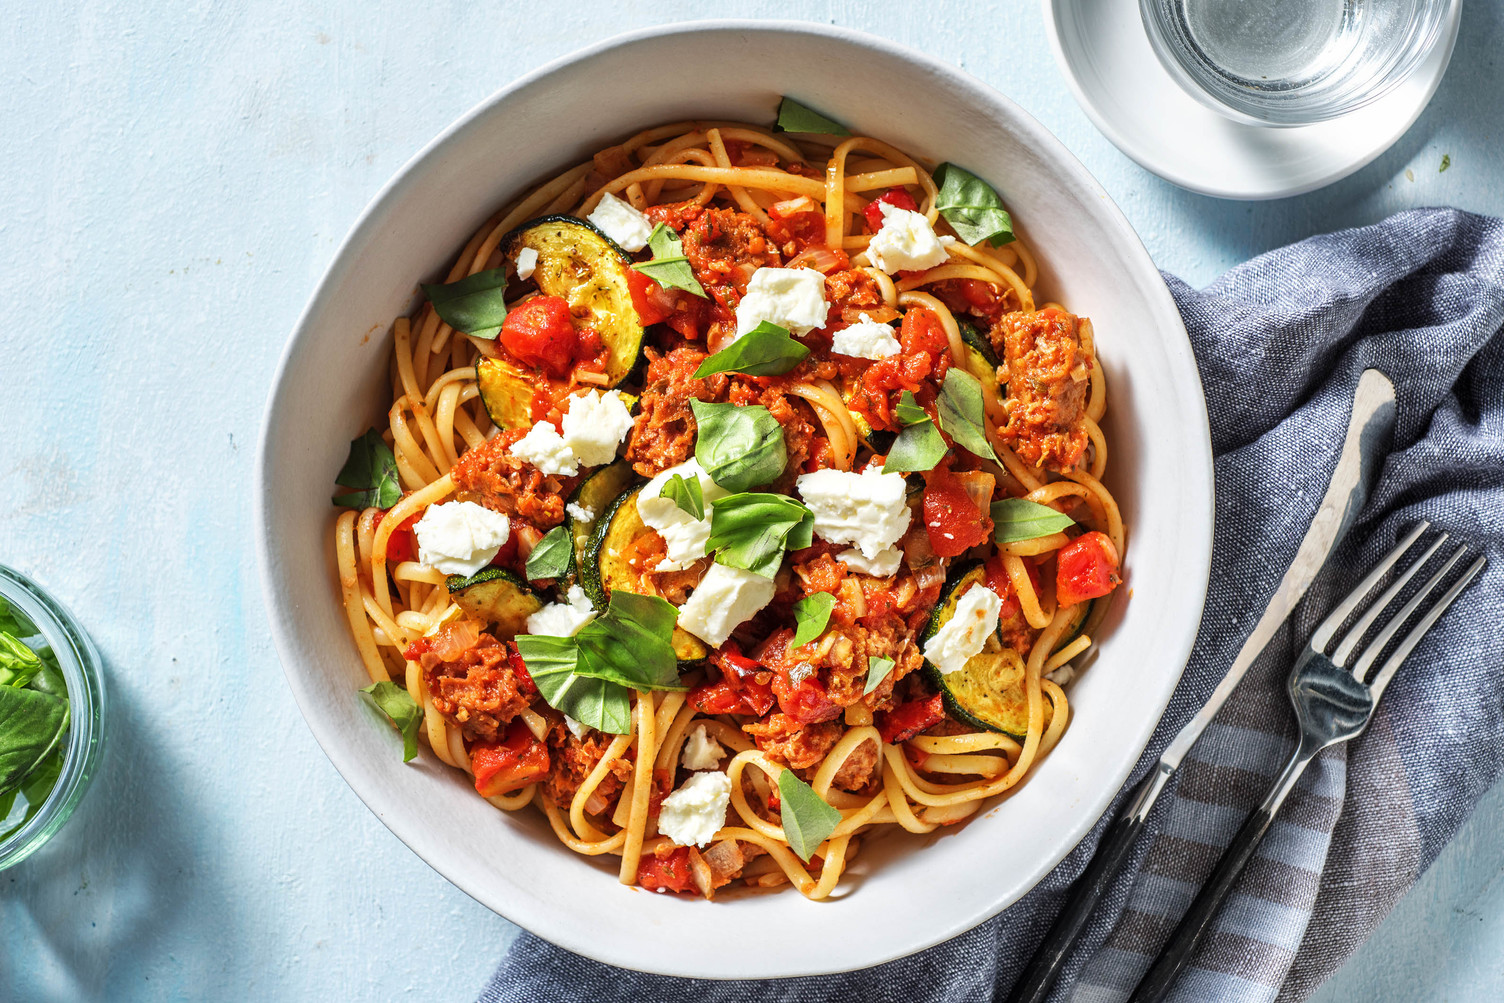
(1281, 342)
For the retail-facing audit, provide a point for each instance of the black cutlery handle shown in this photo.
(1198, 918)
(1112, 853)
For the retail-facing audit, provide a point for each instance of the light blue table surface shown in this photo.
(176, 178)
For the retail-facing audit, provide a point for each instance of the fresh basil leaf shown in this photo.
(475, 305)
(918, 445)
(687, 494)
(766, 350)
(669, 267)
(37, 786)
(13, 622)
(50, 680)
(972, 207)
(598, 703)
(877, 671)
(551, 555)
(739, 447)
(372, 468)
(962, 414)
(400, 709)
(631, 644)
(1015, 519)
(18, 663)
(752, 530)
(812, 614)
(807, 819)
(795, 117)
(34, 725)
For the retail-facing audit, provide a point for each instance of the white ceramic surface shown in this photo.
(1105, 56)
(330, 387)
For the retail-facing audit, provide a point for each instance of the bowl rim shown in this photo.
(1144, 275)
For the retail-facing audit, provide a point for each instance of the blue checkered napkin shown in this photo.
(1281, 342)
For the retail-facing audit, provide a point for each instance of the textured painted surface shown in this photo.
(177, 178)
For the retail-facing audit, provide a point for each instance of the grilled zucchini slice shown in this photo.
(506, 392)
(989, 691)
(595, 495)
(605, 565)
(498, 597)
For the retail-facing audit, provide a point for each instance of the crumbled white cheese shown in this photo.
(563, 619)
(595, 425)
(546, 449)
(884, 565)
(966, 632)
(866, 339)
(1063, 675)
(460, 538)
(576, 729)
(906, 242)
(792, 298)
(577, 511)
(622, 223)
(701, 752)
(869, 510)
(684, 536)
(527, 260)
(693, 814)
(725, 598)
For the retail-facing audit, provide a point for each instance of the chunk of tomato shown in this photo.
(908, 719)
(541, 333)
(654, 304)
(402, 545)
(893, 196)
(669, 873)
(954, 522)
(1086, 568)
(508, 765)
(807, 700)
(922, 332)
(725, 697)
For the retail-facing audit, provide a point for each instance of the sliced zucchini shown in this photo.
(605, 565)
(595, 495)
(581, 264)
(506, 392)
(980, 344)
(989, 691)
(878, 440)
(496, 596)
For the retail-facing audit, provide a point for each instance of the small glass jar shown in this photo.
(1293, 62)
(79, 661)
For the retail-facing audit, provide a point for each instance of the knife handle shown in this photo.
(1112, 854)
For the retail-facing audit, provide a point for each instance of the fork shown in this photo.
(1334, 702)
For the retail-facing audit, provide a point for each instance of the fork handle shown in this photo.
(1112, 853)
(1176, 954)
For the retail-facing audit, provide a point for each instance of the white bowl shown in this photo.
(332, 383)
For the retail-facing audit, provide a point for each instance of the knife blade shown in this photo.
(1370, 428)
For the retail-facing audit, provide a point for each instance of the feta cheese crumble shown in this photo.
(595, 425)
(869, 510)
(684, 536)
(577, 511)
(906, 242)
(792, 298)
(693, 814)
(527, 260)
(618, 220)
(725, 598)
(546, 449)
(576, 729)
(460, 538)
(884, 565)
(563, 619)
(965, 633)
(866, 339)
(701, 752)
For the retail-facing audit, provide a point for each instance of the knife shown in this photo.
(1369, 431)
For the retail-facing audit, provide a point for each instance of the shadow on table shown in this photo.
(82, 916)
(1466, 107)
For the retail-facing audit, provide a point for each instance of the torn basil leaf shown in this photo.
(812, 615)
(919, 445)
(551, 556)
(753, 530)
(807, 819)
(795, 117)
(766, 350)
(669, 267)
(475, 305)
(877, 671)
(372, 469)
(687, 494)
(972, 207)
(631, 644)
(962, 414)
(1015, 519)
(400, 709)
(739, 447)
(597, 703)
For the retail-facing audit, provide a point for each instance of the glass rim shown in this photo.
(81, 667)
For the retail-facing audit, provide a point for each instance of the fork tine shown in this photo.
(1386, 673)
(1328, 627)
(1376, 647)
(1355, 635)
